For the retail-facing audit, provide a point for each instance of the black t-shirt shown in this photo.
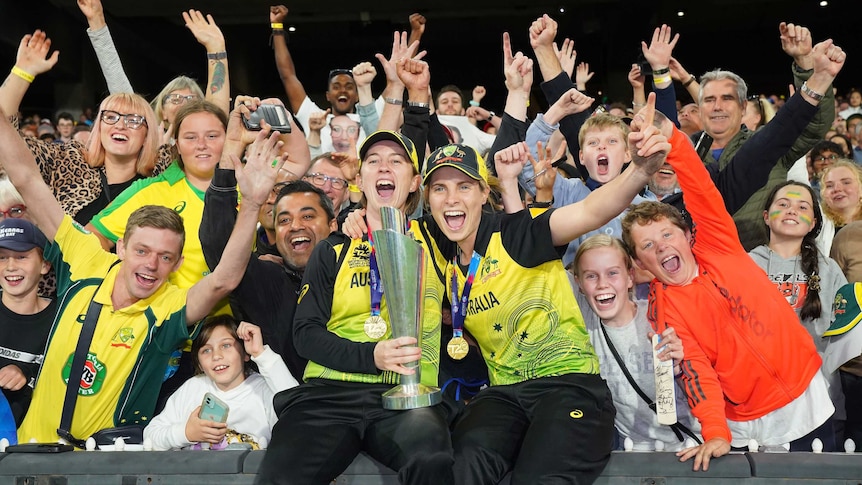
(23, 336)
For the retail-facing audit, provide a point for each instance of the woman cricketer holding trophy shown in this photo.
(343, 326)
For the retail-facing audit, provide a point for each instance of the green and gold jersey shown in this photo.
(335, 301)
(522, 310)
(169, 189)
(129, 351)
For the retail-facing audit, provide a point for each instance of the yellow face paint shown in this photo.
(805, 219)
(774, 214)
(794, 195)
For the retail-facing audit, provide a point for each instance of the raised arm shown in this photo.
(369, 118)
(103, 46)
(284, 62)
(255, 180)
(210, 36)
(21, 168)
(542, 33)
(393, 93)
(649, 150)
(32, 59)
(658, 54)
(417, 27)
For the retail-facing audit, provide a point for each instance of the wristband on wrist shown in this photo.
(353, 188)
(638, 105)
(417, 104)
(216, 56)
(541, 205)
(23, 74)
(690, 80)
(474, 103)
(393, 101)
(661, 72)
(277, 26)
(661, 79)
(491, 116)
(810, 92)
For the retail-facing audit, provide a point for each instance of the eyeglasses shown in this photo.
(277, 187)
(339, 130)
(175, 98)
(15, 212)
(821, 158)
(336, 72)
(320, 180)
(132, 121)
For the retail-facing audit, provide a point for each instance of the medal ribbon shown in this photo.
(376, 282)
(459, 306)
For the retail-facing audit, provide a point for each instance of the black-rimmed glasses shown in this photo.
(132, 121)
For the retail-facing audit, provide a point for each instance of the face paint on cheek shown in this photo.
(805, 219)
(774, 214)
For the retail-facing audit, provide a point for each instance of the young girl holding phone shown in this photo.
(222, 353)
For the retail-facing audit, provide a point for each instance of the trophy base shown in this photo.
(411, 397)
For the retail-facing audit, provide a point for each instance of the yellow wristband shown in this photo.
(23, 74)
(353, 188)
(661, 79)
(277, 26)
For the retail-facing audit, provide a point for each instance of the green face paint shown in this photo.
(794, 195)
(774, 214)
(805, 219)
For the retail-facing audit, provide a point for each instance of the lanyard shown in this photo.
(459, 307)
(376, 282)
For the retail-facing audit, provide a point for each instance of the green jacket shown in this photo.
(749, 218)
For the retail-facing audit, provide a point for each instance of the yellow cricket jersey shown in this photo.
(521, 309)
(129, 352)
(168, 189)
(337, 298)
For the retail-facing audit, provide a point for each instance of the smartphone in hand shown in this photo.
(275, 114)
(213, 409)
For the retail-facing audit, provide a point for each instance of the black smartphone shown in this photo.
(702, 145)
(275, 114)
(39, 448)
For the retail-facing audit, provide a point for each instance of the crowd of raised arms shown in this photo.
(177, 255)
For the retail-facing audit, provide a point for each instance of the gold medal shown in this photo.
(457, 348)
(375, 326)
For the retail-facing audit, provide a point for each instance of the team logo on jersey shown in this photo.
(80, 228)
(179, 208)
(576, 414)
(361, 256)
(302, 293)
(490, 269)
(124, 337)
(92, 376)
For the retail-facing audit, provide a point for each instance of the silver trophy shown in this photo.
(401, 262)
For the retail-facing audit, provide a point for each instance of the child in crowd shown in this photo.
(750, 370)
(221, 354)
(25, 318)
(804, 276)
(621, 334)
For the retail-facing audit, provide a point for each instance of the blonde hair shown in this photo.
(834, 216)
(178, 83)
(601, 241)
(131, 104)
(8, 192)
(601, 122)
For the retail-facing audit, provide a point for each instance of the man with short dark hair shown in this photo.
(303, 215)
(65, 127)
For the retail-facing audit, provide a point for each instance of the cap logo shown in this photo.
(10, 231)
